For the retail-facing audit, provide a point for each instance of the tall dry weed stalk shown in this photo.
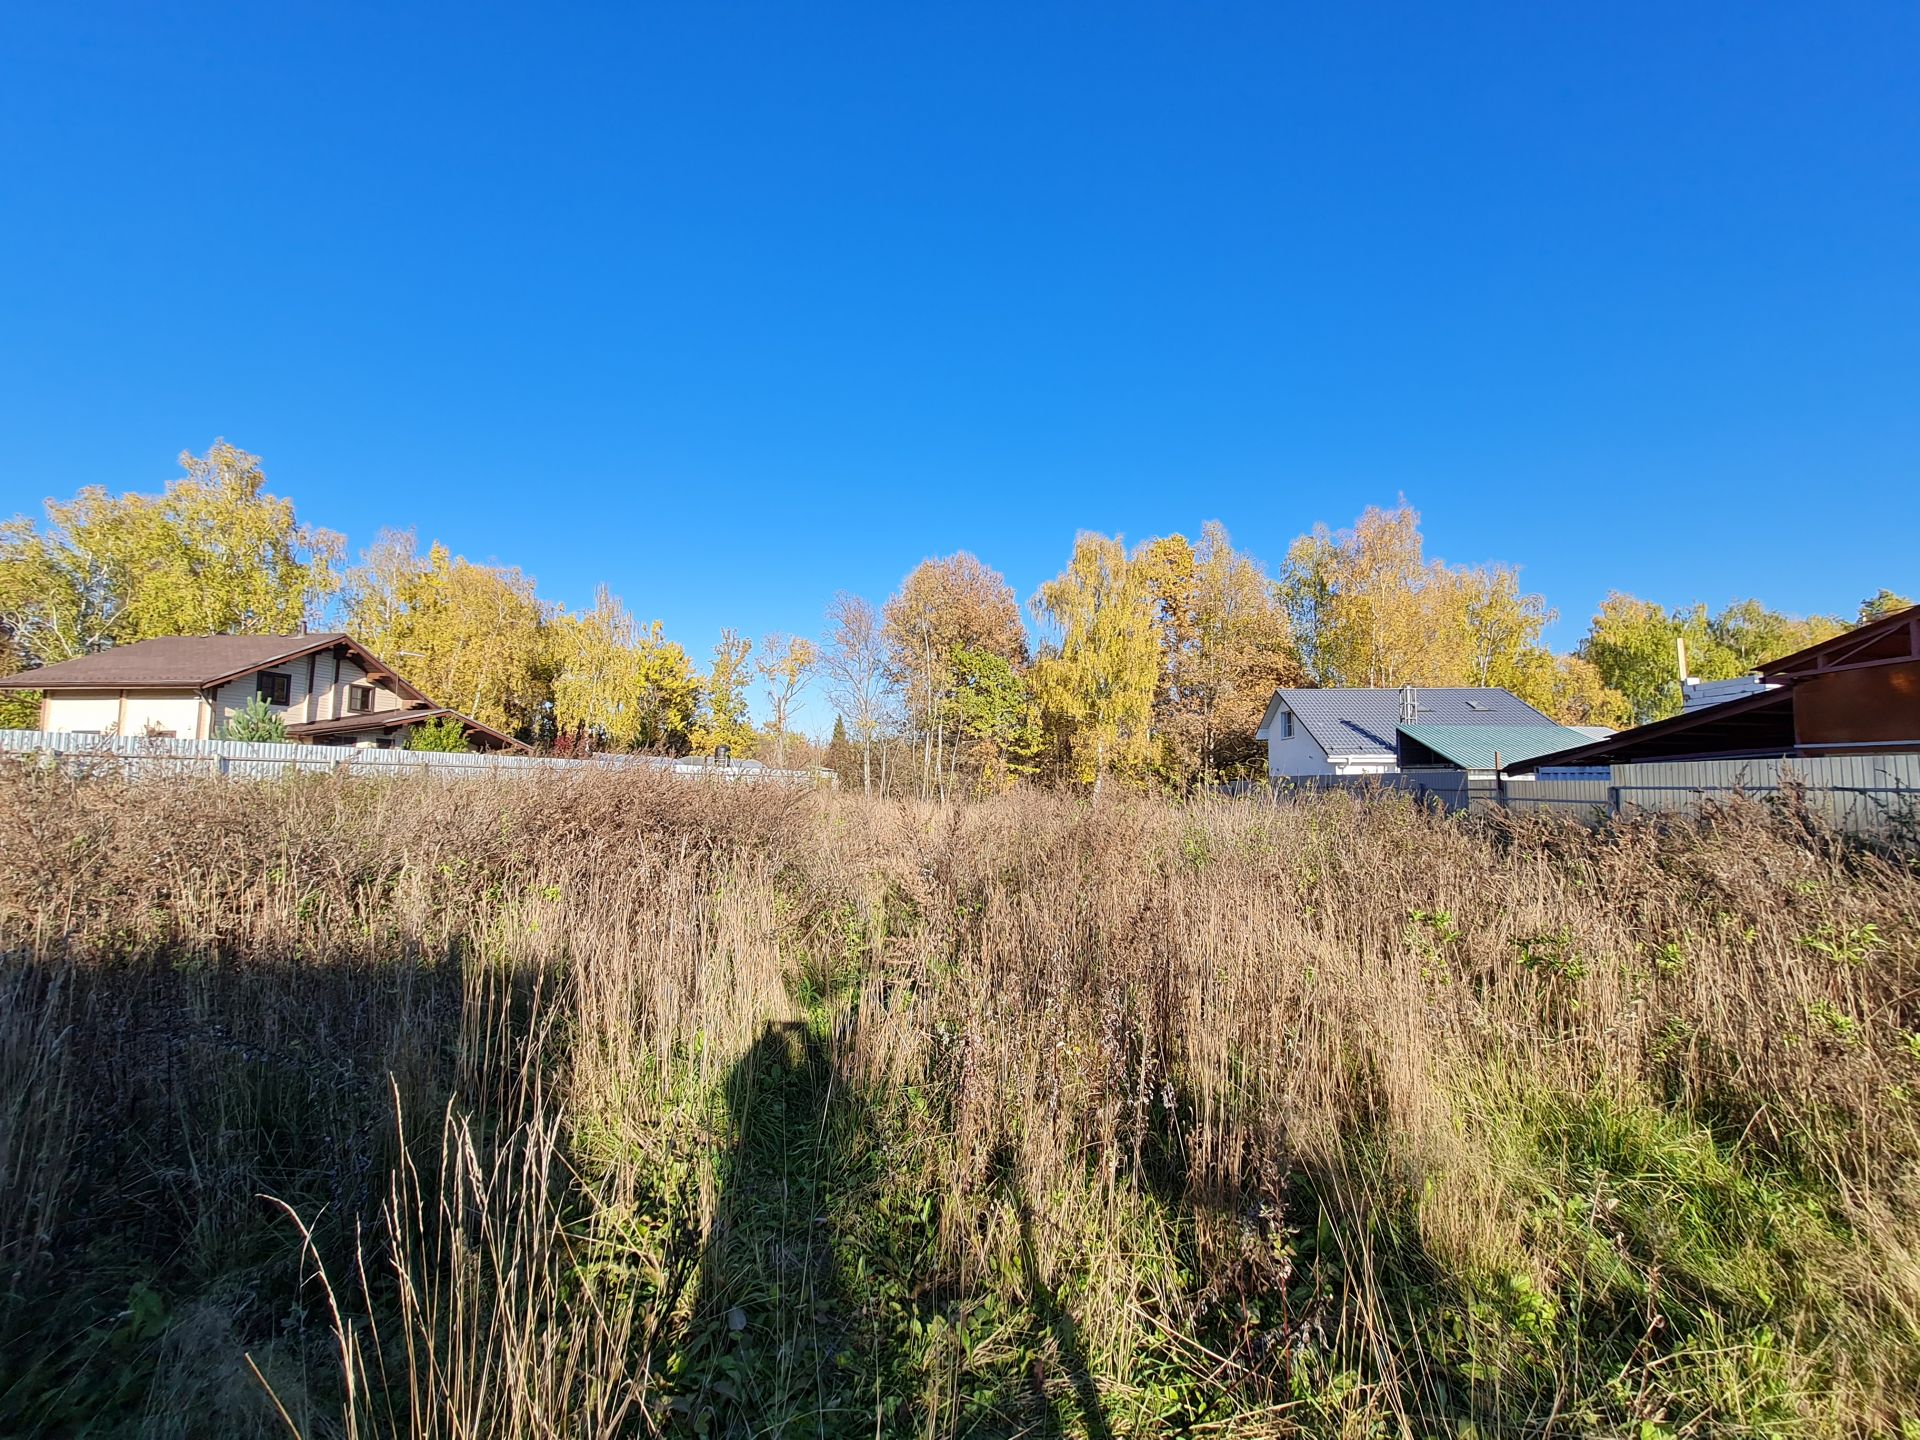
(1117, 1117)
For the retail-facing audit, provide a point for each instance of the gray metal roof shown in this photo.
(1364, 722)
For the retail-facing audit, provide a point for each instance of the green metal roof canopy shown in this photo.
(1472, 747)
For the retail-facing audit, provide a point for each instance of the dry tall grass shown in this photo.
(619, 1106)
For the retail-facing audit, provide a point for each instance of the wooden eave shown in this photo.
(1717, 730)
(1894, 640)
(376, 668)
(387, 721)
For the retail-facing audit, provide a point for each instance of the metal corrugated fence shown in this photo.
(1571, 796)
(1855, 792)
(1859, 793)
(137, 755)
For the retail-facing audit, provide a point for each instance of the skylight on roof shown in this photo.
(1476, 705)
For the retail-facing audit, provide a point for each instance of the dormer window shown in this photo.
(1476, 705)
(275, 687)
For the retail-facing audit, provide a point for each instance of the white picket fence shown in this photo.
(238, 759)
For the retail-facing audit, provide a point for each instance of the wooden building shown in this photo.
(1856, 691)
(1856, 694)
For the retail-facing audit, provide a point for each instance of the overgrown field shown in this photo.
(612, 1106)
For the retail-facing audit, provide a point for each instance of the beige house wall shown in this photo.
(150, 712)
(317, 688)
(325, 677)
(238, 693)
(124, 712)
(329, 674)
(82, 710)
(232, 696)
(351, 672)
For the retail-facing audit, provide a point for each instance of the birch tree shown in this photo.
(213, 554)
(1370, 610)
(471, 636)
(1882, 603)
(785, 666)
(1503, 626)
(1226, 645)
(1633, 644)
(855, 663)
(624, 682)
(994, 716)
(946, 605)
(1096, 681)
(722, 718)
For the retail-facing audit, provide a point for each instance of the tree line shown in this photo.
(1142, 665)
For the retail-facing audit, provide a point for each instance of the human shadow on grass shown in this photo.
(1054, 1318)
(765, 1347)
(821, 1305)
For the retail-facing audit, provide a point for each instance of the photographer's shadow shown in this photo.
(779, 1341)
(766, 1347)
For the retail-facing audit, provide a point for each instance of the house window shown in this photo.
(276, 687)
(1286, 724)
(359, 699)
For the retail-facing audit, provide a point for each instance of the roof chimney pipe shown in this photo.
(1409, 706)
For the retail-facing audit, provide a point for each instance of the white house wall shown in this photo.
(1296, 757)
(1365, 765)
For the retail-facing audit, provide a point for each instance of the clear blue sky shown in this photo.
(732, 305)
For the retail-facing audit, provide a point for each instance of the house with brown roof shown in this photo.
(328, 690)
